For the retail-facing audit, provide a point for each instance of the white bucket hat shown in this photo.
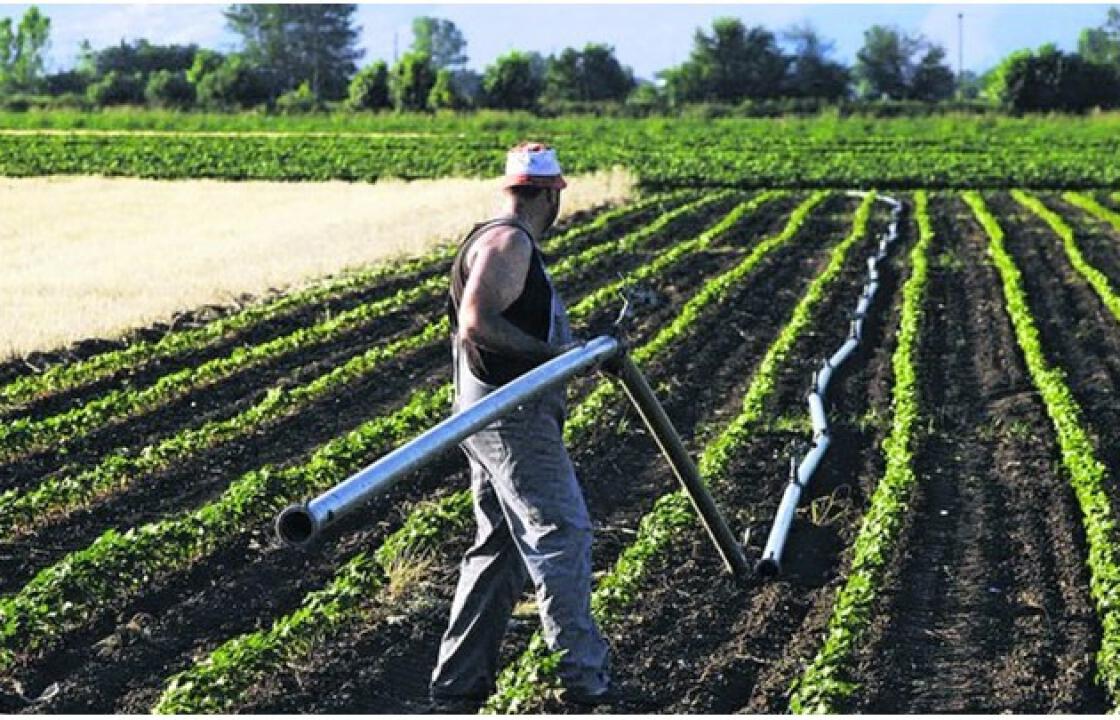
(532, 164)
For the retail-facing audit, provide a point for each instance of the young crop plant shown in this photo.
(672, 514)
(1087, 473)
(26, 434)
(62, 494)
(117, 565)
(699, 153)
(823, 685)
(21, 511)
(1093, 276)
(1094, 208)
(717, 289)
(68, 376)
(215, 683)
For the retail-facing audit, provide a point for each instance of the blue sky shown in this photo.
(646, 37)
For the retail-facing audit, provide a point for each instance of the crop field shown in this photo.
(957, 552)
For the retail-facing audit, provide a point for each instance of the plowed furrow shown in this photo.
(987, 610)
(1079, 334)
(622, 477)
(699, 643)
(251, 592)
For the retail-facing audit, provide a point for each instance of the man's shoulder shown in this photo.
(504, 238)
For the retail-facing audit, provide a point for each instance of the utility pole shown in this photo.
(960, 56)
(396, 56)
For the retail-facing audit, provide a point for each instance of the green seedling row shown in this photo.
(59, 378)
(716, 290)
(1088, 474)
(116, 472)
(823, 684)
(117, 565)
(522, 683)
(24, 434)
(1093, 276)
(215, 684)
(675, 253)
(698, 153)
(60, 495)
(68, 376)
(1094, 208)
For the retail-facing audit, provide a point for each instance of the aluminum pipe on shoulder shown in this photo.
(300, 524)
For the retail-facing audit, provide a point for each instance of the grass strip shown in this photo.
(1088, 474)
(216, 683)
(521, 683)
(63, 596)
(68, 376)
(1093, 276)
(25, 434)
(823, 683)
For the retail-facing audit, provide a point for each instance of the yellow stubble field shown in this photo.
(84, 257)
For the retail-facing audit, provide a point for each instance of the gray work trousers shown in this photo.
(532, 523)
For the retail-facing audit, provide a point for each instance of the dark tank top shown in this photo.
(531, 312)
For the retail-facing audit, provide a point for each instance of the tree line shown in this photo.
(302, 58)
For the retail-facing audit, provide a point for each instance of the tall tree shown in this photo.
(23, 51)
(140, 57)
(369, 89)
(731, 64)
(811, 73)
(883, 63)
(312, 43)
(892, 64)
(412, 81)
(591, 74)
(1102, 45)
(441, 40)
(513, 82)
(932, 80)
(1049, 80)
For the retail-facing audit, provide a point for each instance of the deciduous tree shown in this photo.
(811, 73)
(589, 75)
(313, 43)
(23, 51)
(732, 64)
(412, 81)
(441, 40)
(514, 82)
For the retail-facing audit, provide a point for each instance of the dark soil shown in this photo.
(245, 585)
(697, 641)
(1099, 241)
(232, 394)
(201, 478)
(1079, 334)
(987, 610)
(377, 670)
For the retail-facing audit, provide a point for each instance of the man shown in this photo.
(506, 319)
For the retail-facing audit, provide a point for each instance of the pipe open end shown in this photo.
(767, 568)
(295, 526)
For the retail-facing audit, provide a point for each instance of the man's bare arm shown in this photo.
(497, 276)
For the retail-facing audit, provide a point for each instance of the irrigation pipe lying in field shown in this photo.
(801, 475)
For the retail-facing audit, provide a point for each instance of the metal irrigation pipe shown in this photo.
(299, 524)
(801, 475)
